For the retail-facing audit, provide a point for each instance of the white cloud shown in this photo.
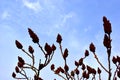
(64, 19)
(35, 6)
(5, 15)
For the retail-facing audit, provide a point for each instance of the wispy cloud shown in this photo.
(64, 19)
(5, 15)
(35, 6)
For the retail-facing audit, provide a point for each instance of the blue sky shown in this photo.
(78, 21)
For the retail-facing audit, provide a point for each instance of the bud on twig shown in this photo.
(20, 59)
(98, 70)
(106, 41)
(65, 53)
(77, 71)
(83, 67)
(31, 50)
(66, 67)
(53, 47)
(84, 74)
(18, 44)
(17, 69)
(20, 64)
(13, 75)
(76, 63)
(61, 69)
(72, 73)
(48, 49)
(114, 60)
(89, 69)
(59, 39)
(81, 61)
(86, 53)
(34, 37)
(118, 59)
(107, 26)
(52, 67)
(92, 47)
(57, 71)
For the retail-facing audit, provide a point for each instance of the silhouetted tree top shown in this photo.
(81, 71)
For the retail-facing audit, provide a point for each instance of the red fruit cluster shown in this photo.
(31, 50)
(59, 39)
(107, 26)
(92, 47)
(48, 49)
(116, 60)
(34, 37)
(107, 41)
(18, 44)
(65, 53)
(21, 62)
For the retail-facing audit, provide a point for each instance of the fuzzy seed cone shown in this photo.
(72, 73)
(86, 53)
(93, 71)
(20, 65)
(118, 59)
(107, 25)
(57, 71)
(34, 37)
(48, 49)
(65, 55)
(13, 75)
(90, 70)
(53, 47)
(31, 50)
(59, 39)
(84, 74)
(92, 47)
(81, 61)
(17, 69)
(18, 44)
(76, 63)
(61, 69)
(20, 59)
(114, 60)
(66, 68)
(83, 67)
(87, 76)
(99, 71)
(77, 71)
(106, 41)
(52, 67)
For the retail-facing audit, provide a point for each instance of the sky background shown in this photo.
(78, 21)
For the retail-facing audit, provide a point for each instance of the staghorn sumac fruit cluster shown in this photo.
(22, 65)
(81, 71)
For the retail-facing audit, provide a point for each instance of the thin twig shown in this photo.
(109, 65)
(117, 66)
(62, 76)
(24, 74)
(41, 48)
(100, 63)
(27, 53)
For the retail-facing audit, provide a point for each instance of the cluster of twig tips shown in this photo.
(48, 52)
(82, 71)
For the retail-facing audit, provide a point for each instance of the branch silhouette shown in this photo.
(81, 71)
